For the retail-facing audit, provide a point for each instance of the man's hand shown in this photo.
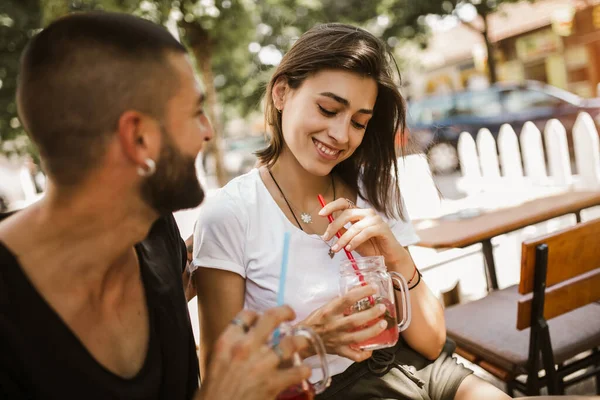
(244, 367)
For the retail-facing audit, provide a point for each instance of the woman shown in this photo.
(334, 112)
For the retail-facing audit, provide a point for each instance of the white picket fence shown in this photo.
(499, 173)
(489, 165)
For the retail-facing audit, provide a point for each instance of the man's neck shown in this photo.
(84, 237)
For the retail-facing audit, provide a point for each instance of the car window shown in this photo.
(523, 99)
(414, 112)
(485, 103)
(431, 110)
(463, 105)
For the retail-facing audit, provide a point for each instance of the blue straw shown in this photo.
(282, 279)
(283, 274)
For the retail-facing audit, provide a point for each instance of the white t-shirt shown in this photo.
(241, 229)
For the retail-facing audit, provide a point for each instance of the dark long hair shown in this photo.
(348, 48)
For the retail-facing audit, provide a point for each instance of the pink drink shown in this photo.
(297, 392)
(388, 337)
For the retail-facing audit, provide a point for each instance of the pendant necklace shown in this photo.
(306, 217)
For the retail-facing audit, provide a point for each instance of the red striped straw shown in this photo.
(361, 278)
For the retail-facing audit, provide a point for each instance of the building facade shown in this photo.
(552, 41)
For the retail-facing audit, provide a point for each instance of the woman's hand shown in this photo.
(340, 333)
(369, 234)
(244, 367)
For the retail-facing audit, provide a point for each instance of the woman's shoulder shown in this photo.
(233, 198)
(239, 188)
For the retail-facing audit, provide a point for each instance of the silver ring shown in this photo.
(279, 353)
(239, 322)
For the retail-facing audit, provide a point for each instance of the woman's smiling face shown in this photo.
(324, 120)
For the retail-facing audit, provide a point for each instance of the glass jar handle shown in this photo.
(317, 344)
(402, 325)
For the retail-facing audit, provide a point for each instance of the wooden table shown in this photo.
(446, 233)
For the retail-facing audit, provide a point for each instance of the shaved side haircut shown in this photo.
(80, 74)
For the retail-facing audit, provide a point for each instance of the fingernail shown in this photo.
(381, 307)
(348, 247)
(335, 247)
(321, 212)
(383, 324)
(325, 237)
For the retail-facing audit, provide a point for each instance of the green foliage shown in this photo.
(223, 31)
(19, 20)
(53, 9)
(278, 23)
(232, 36)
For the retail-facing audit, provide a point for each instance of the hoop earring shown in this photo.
(149, 170)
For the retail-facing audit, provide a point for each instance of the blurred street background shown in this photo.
(464, 64)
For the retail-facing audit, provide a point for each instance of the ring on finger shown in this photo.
(240, 322)
(350, 204)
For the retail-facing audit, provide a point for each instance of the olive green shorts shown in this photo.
(399, 373)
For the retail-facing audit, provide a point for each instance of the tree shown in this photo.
(19, 20)
(228, 39)
(217, 32)
(283, 21)
(407, 20)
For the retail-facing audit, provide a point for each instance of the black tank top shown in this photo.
(40, 357)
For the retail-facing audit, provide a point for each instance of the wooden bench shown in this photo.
(542, 324)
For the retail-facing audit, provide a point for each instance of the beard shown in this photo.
(174, 186)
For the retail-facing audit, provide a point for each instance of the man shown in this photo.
(91, 298)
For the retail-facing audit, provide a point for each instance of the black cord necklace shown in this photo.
(331, 253)
(287, 201)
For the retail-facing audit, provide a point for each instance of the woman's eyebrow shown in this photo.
(344, 102)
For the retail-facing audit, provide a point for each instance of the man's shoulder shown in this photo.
(164, 246)
(12, 282)
(165, 226)
(7, 258)
(164, 232)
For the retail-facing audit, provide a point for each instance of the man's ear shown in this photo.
(139, 137)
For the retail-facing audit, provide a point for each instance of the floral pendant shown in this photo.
(306, 218)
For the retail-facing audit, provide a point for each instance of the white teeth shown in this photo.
(326, 149)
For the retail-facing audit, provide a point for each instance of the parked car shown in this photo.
(435, 123)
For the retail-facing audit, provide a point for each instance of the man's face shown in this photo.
(175, 186)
